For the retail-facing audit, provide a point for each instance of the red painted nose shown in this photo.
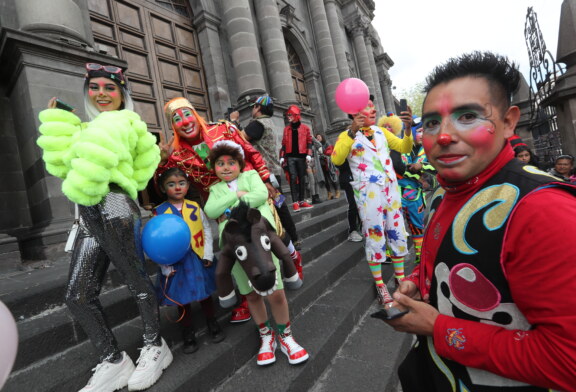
(444, 139)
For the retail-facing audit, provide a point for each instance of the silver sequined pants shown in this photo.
(110, 233)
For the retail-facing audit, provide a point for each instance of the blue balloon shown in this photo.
(166, 238)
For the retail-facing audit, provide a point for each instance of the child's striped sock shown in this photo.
(398, 262)
(376, 269)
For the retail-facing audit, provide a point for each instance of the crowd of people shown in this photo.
(491, 312)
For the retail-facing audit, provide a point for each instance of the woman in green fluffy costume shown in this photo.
(104, 163)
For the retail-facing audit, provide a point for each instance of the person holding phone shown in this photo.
(104, 163)
(485, 317)
(366, 147)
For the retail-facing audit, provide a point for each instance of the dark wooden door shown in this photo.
(160, 44)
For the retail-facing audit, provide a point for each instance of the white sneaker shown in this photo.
(153, 360)
(354, 237)
(109, 377)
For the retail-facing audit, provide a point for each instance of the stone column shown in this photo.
(66, 20)
(245, 56)
(386, 85)
(275, 53)
(326, 57)
(358, 32)
(521, 98)
(207, 25)
(379, 102)
(337, 38)
(564, 92)
(383, 63)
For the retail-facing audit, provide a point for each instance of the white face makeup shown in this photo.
(463, 119)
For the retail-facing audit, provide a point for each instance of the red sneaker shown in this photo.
(298, 264)
(241, 314)
(266, 354)
(296, 207)
(295, 353)
(305, 206)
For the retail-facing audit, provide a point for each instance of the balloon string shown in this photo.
(176, 302)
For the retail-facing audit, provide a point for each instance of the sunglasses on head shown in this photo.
(115, 72)
(108, 68)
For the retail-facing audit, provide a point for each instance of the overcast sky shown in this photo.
(420, 34)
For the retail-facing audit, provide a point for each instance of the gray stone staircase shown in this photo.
(330, 309)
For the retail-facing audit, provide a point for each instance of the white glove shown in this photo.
(320, 150)
(308, 158)
(281, 161)
(166, 269)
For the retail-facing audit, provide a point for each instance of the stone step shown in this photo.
(368, 359)
(31, 293)
(52, 344)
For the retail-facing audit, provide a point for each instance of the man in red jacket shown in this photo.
(297, 149)
(493, 298)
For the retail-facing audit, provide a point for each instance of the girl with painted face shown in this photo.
(192, 278)
(104, 163)
(235, 186)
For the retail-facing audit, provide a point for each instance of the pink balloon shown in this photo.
(8, 342)
(352, 95)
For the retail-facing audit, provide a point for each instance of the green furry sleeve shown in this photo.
(58, 130)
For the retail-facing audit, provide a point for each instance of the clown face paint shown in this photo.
(227, 168)
(185, 124)
(104, 94)
(176, 186)
(369, 113)
(418, 136)
(462, 130)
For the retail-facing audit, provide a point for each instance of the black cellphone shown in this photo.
(229, 111)
(389, 314)
(403, 105)
(63, 105)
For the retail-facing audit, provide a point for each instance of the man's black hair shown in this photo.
(502, 75)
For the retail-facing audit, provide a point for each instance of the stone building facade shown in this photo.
(217, 53)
